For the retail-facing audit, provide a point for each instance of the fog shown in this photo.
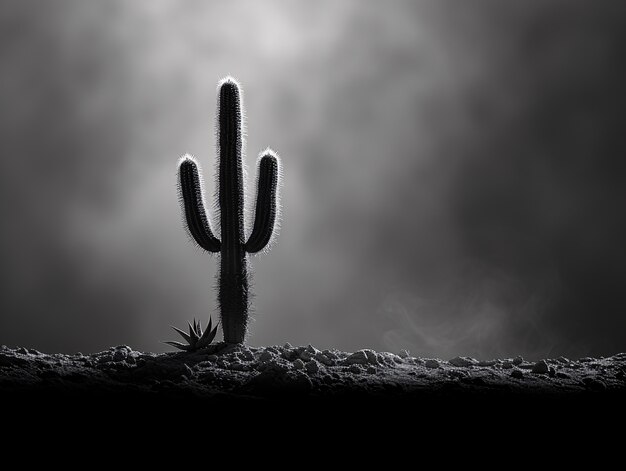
(453, 171)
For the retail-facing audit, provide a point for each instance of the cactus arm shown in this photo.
(266, 210)
(193, 206)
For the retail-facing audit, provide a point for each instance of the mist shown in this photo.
(452, 171)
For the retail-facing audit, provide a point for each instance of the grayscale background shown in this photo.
(454, 171)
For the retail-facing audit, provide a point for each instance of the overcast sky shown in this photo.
(453, 171)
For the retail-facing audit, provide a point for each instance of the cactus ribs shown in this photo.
(233, 248)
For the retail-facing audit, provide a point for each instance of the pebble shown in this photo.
(359, 357)
(540, 367)
(237, 366)
(462, 361)
(290, 355)
(323, 359)
(517, 373)
(458, 374)
(518, 360)
(431, 364)
(594, 384)
(298, 364)
(330, 354)
(312, 366)
(119, 355)
(266, 356)
(371, 357)
(308, 353)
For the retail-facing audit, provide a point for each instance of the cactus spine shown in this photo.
(233, 248)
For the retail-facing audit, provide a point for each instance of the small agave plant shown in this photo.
(196, 338)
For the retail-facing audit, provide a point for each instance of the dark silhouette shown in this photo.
(233, 276)
(196, 338)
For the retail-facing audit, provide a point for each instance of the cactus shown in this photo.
(234, 278)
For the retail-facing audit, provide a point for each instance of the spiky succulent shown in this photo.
(196, 338)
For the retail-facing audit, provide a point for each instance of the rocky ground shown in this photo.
(227, 372)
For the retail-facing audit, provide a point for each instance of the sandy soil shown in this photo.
(226, 371)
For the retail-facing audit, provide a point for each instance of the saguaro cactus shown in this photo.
(233, 248)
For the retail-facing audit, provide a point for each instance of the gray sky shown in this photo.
(453, 171)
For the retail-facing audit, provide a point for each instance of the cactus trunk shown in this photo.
(233, 275)
(233, 281)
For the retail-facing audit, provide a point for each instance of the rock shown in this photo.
(212, 358)
(562, 360)
(266, 356)
(594, 384)
(552, 372)
(359, 357)
(372, 358)
(119, 355)
(308, 353)
(516, 373)
(238, 366)
(371, 370)
(586, 360)
(312, 366)
(330, 354)
(404, 354)
(507, 365)
(431, 364)
(288, 345)
(462, 362)
(455, 374)
(290, 355)
(540, 367)
(22, 351)
(562, 375)
(32, 351)
(323, 359)
(518, 360)
(298, 364)
(487, 363)
(355, 368)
